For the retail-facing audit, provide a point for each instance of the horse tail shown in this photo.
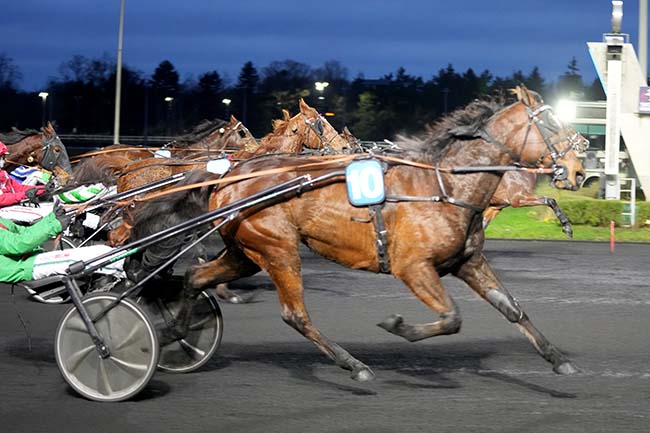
(164, 212)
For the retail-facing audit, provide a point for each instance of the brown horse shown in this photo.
(43, 148)
(108, 164)
(233, 136)
(516, 189)
(306, 130)
(290, 135)
(431, 218)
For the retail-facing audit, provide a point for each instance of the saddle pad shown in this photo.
(82, 193)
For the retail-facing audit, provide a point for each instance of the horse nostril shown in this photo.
(580, 177)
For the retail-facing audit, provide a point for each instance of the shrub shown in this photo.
(593, 212)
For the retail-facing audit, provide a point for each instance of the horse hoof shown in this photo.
(568, 231)
(391, 323)
(363, 375)
(566, 367)
(236, 299)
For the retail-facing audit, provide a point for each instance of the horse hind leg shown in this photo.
(228, 266)
(478, 274)
(425, 284)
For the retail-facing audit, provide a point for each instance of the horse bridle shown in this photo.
(546, 128)
(49, 155)
(318, 128)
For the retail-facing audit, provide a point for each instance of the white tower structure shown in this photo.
(622, 79)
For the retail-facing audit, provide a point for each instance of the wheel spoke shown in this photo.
(76, 324)
(201, 323)
(131, 338)
(129, 367)
(191, 350)
(103, 382)
(74, 361)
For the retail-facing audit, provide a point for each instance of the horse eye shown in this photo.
(242, 134)
(57, 149)
(294, 129)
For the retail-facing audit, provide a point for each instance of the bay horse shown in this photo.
(517, 189)
(290, 135)
(306, 130)
(43, 148)
(107, 164)
(432, 219)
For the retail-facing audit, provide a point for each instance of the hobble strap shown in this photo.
(381, 237)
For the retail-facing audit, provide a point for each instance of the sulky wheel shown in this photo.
(202, 340)
(131, 339)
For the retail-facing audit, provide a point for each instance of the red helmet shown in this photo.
(3, 149)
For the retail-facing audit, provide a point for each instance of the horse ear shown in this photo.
(233, 119)
(285, 114)
(303, 106)
(517, 92)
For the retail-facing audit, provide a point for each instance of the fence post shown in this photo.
(611, 236)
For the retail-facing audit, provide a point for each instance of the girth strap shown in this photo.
(381, 237)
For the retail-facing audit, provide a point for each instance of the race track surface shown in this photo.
(265, 377)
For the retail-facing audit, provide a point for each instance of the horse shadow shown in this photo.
(436, 367)
(40, 353)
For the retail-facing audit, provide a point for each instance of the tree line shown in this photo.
(81, 97)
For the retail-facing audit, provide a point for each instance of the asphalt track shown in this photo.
(267, 378)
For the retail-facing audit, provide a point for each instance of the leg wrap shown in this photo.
(506, 304)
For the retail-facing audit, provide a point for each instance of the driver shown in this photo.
(22, 259)
(11, 191)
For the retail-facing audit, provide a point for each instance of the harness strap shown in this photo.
(381, 237)
(487, 137)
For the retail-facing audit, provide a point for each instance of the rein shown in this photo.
(337, 159)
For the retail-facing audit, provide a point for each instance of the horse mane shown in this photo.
(100, 169)
(200, 131)
(17, 135)
(464, 122)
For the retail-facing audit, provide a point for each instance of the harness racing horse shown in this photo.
(431, 218)
(516, 188)
(306, 130)
(43, 148)
(106, 165)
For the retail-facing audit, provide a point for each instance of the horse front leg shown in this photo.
(536, 200)
(478, 274)
(566, 224)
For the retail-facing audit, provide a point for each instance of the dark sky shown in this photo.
(373, 37)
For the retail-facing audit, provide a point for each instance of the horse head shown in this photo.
(542, 140)
(38, 148)
(319, 133)
(53, 154)
(352, 141)
(236, 136)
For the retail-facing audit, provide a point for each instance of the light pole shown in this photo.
(227, 102)
(43, 96)
(320, 87)
(445, 100)
(118, 78)
(169, 100)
